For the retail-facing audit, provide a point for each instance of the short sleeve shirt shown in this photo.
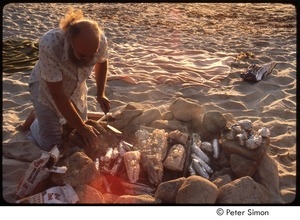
(54, 65)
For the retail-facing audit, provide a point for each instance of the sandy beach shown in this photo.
(159, 52)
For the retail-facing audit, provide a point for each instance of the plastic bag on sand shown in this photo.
(38, 171)
(55, 195)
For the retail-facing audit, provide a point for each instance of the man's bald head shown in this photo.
(82, 34)
(85, 35)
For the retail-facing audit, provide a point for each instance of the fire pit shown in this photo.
(157, 164)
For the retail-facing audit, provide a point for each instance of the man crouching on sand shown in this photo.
(57, 84)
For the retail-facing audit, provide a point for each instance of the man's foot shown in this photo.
(22, 128)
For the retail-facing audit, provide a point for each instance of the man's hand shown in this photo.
(104, 103)
(89, 135)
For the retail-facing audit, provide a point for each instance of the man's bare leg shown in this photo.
(27, 123)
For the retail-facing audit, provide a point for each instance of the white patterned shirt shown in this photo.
(54, 65)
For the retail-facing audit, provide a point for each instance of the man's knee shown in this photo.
(46, 137)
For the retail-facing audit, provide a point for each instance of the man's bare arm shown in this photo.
(101, 77)
(69, 112)
(64, 105)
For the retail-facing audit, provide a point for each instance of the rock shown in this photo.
(264, 132)
(175, 158)
(178, 137)
(197, 190)
(137, 188)
(140, 199)
(185, 109)
(167, 116)
(288, 195)
(231, 146)
(132, 164)
(97, 183)
(242, 166)
(161, 124)
(267, 175)
(146, 118)
(223, 160)
(81, 170)
(141, 138)
(243, 191)
(245, 124)
(153, 166)
(125, 114)
(167, 191)
(153, 151)
(253, 142)
(222, 180)
(229, 134)
(110, 198)
(222, 172)
(157, 143)
(170, 125)
(89, 195)
(197, 123)
(214, 122)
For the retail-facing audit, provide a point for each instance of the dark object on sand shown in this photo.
(255, 73)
